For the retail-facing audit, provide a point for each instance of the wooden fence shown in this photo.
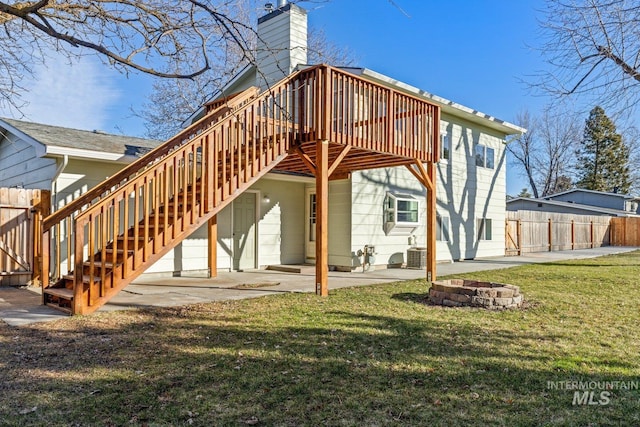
(21, 213)
(625, 231)
(531, 231)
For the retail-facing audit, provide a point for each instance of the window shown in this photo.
(400, 213)
(312, 217)
(484, 157)
(445, 147)
(484, 229)
(442, 228)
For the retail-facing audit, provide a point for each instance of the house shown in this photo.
(601, 199)
(470, 176)
(66, 161)
(579, 202)
(332, 166)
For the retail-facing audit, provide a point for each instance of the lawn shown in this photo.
(366, 356)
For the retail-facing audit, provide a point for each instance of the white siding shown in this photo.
(369, 191)
(78, 177)
(280, 233)
(467, 192)
(20, 167)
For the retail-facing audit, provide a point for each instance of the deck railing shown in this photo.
(346, 109)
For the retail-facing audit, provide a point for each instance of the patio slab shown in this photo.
(22, 306)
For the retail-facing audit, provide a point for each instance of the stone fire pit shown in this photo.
(461, 292)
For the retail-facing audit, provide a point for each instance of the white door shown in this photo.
(310, 229)
(244, 231)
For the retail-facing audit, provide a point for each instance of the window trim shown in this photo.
(391, 211)
(484, 229)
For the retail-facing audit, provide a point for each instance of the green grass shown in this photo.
(367, 356)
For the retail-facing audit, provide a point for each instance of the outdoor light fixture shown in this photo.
(266, 198)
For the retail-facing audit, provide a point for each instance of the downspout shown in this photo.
(65, 162)
(54, 188)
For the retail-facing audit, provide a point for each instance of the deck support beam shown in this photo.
(212, 246)
(427, 177)
(322, 222)
(431, 223)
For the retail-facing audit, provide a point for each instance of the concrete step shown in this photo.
(301, 269)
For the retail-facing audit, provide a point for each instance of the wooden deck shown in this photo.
(320, 121)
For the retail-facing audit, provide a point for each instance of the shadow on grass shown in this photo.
(418, 298)
(195, 365)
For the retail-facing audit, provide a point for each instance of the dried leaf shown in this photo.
(252, 421)
(28, 410)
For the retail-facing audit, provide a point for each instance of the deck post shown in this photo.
(431, 223)
(212, 246)
(41, 205)
(322, 222)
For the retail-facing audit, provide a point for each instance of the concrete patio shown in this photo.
(22, 306)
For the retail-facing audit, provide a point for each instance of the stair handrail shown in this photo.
(119, 178)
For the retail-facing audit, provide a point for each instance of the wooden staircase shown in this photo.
(96, 245)
(99, 243)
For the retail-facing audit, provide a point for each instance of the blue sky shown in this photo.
(474, 52)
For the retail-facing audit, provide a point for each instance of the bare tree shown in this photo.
(593, 47)
(165, 38)
(559, 133)
(522, 149)
(172, 102)
(545, 154)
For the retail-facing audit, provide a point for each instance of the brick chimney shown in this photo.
(282, 42)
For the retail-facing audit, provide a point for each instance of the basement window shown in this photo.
(400, 214)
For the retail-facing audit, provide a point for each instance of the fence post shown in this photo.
(592, 245)
(550, 236)
(506, 236)
(573, 235)
(519, 236)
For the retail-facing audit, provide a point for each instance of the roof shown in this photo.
(582, 190)
(56, 140)
(570, 205)
(446, 105)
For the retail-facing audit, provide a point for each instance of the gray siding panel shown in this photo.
(20, 167)
(602, 200)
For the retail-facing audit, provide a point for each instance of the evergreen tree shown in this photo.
(603, 157)
(524, 193)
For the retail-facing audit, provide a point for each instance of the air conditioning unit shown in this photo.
(417, 258)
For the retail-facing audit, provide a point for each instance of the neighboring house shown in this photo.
(274, 221)
(601, 199)
(579, 202)
(66, 161)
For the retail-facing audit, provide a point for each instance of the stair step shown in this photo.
(60, 307)
(121, 238)
(118, 251)
(99, 264)
(85, 278)
(60, 292)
